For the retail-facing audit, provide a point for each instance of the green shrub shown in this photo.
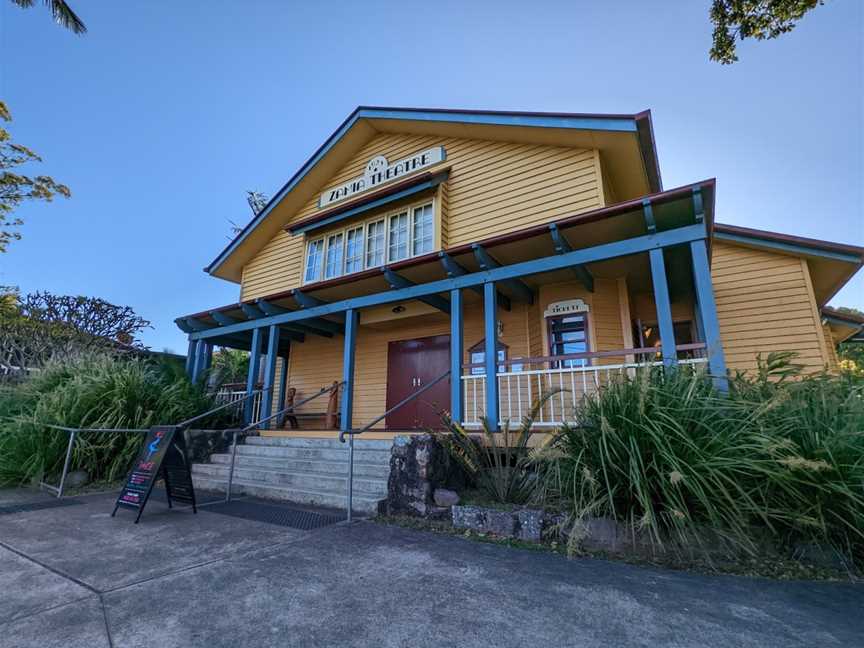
(669, 454)
(95, 392)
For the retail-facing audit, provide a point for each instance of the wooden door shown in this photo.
(411, 365)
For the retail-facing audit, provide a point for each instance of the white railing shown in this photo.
(231, 395)
(572, 377)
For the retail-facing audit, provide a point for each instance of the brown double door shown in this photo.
(411, 365)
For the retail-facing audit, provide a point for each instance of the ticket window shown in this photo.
(568, 334)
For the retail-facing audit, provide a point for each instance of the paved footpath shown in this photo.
(74, 577)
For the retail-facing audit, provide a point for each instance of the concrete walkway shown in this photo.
(74, 577)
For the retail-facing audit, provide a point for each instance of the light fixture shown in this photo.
(399, 309)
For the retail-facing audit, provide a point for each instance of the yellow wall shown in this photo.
(765, 303)
(493, 188)
(318, 361)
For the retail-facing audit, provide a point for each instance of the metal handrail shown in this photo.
(352, 433)
(252, 394)
(252, 426)
(404, 401)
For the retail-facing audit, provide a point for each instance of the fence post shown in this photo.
(66, 463)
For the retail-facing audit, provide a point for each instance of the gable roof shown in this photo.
(367, 121)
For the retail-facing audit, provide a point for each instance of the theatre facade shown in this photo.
(430, 261)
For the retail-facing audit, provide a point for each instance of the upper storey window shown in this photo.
(402, 234)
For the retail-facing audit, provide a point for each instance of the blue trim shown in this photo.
(283, 383)
(270, 371)
(576, 122)
(316, 326)
(190, 357)
(397, 281)
(352, 318)
(252, 376)
(490, 353)
(708, 312)
(664, 308)
(453, 269)
(362, 209)
(487, 262)
(196, 324)
(788, 247)
(637, 245)
(457, 345)
(562, 245)
(306, 301)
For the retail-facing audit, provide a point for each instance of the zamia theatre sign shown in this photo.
(379, 171)
(568, 307)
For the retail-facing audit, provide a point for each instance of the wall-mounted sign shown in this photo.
(379, 171)
(556, 309)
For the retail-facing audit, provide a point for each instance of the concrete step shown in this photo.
(361, 502)
(323, 453)
(313, 482)
(378, 469)
(311, 442)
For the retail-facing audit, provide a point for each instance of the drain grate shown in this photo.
(36, 506)
(274, 514)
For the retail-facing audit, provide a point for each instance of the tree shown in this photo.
(15, 188)
(40, 327)
(230, 366)
(760, 19)
(60, 11)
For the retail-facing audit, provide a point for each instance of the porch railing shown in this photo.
(236, 393)
(521, 381)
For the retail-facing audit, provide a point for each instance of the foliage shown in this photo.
(497, 462)
(230, 366)
(95, 391)
(40, 327)
(760, 19)
(15, 188)
(670, 455)
(61, 12)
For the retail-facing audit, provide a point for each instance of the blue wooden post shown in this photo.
(456, 352)
(664, 307)
(270, 371)
(199, 364)
(708, 313)
(252, 376)
(207, 362)
(351, 322)
(490, 329)
(190, 357)
(283, 386)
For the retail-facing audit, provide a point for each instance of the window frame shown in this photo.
(551, 343)
(384, 219)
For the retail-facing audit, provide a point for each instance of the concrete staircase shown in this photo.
(302, 470)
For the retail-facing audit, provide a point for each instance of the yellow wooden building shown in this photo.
(430, 261)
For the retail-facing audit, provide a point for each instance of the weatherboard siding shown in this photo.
(765, 303)
(494, 188)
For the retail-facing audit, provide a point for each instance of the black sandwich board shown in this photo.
(162, 455)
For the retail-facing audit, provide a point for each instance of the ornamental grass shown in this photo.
(90, 392)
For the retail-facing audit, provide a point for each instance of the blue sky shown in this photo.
(165, 113)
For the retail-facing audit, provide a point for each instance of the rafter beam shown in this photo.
(222, 319)
(308, 301)
(317, 325)
(292, 331)
(453, 269)
(648, 215)
(562, 246)
(197, 325)
(397, 281)
(487, 262)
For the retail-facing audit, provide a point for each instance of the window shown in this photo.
(333, 266)
(375, 244)
(354, 250)
(405, 233)
(477, 354)
(398, 248)
(423, 224)
(568, 334)
(314, 259)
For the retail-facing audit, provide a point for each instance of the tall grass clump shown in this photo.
(95, 392)
(779, 457)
